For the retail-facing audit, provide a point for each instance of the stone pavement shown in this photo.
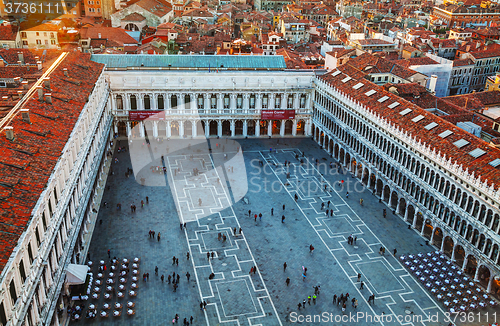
(233, 296)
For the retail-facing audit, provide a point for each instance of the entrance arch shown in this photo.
(484, 276)
(276, 127)
(226, 128)
(288, 127)
(213, 128)
(459, 255)
(448, 246)
(188, 128)
(471, 266)
(251, 128)
(301, 125)
(402, 207)
(437, 238)
(411, 214)
(174, 128)
(428, 229)
(238, 128)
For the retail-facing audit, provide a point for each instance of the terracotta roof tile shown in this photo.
(444, 146)
(27, 162)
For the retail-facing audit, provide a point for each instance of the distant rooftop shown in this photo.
(191, 61)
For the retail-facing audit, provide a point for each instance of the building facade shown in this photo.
(58, 227)
(208, 101)
(391, 146)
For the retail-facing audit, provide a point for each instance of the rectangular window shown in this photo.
(30, 253)
(46, 42)
(3, 316)
(38, 42)
(53, 42)
(12, 290)
(37, 34)
(37, 234)
(22, 271)
(23, 35)
(25, 42)
(44, 221)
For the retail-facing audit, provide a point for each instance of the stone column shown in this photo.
(476, 276)
(308, 102)
(194, 103)
(206, 102)
(194, 131)
(129, 130)
(282, 128)
(153, 101)
(296, 101)
(219, 128)
(180, 103)
(245, 128)
(168, 101)
(169, 128)
(181, 128)
(141, 129)
(258, 103)
(464, 265)
(232, 102)
(415, 217)
(257, 128)
(294, 127)
(220, 103)
(442, 244)
(246, 103)
(431, 241)
(423, 228)
(207, 128)
(270, 128)
(140, 101)
(490, 283)
(155, 129)
(453, 253)
(233, 131)
(271, 101)
(284, 101)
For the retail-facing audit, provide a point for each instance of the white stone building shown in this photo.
(443, 181)
(53, 196)
(209, 96)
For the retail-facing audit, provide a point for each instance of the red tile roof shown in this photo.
(8, 33)
(27, 162)
(416, 130)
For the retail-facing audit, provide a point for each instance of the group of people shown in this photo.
(152, 235)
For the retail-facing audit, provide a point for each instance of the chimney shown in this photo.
(40, 93)
(17, 80)
(9, 132)
(20, 55)
(19, 94)
(2, 64)
(99, 35)
(467, 48)
(39, 64)
(65, 71)
(432, 83)
(19, 63)
(25, 84)
(46, 82)
(48, 98)
(335, 54)
(25, 114)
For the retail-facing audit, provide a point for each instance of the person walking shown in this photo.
(169, 278)
(283, 219)
(355, 303)
(249, 212)
(158, 237)
(255, 218)
(328, 204)
(188, 276)
(287, 281)
(361, 201)
(272, 211)
(334, 298)
(395, 251)
(314, 298)
(311, 249)
(187, 255)
(175, 287)
(260, 216)
(347, 195)
(173, 260)
(359, 277)
(283, 206)
(109, 253)
(284, 266)
(162, 278)
(208, 255)
(156, 270)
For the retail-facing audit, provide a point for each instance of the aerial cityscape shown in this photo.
(249, 162)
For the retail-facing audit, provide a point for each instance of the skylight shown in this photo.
(417, 118)
(345, 80)
(431, 125)
(336, 73)
(495, 162)
(358, 86)
(370, 92)
(393, 105)
(445, 133)
(477, 152)
(405, 111)
(461, 143)
(383, 99)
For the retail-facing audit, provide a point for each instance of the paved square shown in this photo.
(379, 277)
(339, 225)
(237, 294)
(235, 298)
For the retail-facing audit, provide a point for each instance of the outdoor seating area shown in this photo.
(111, 282)
(456, 290)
